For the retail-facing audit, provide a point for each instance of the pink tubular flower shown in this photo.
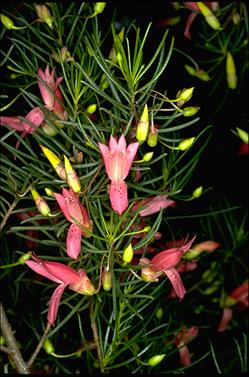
(238, 298)
(153, 204)
(51, 92)
(74, 212)
(184, 337)
(64, 276)
(118, 160)
(165, 262)
(35, 117)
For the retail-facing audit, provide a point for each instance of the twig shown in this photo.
(39, 346)
(8, 213)
(96, 337)
(13, 350)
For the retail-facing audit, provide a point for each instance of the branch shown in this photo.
(39, 346)
(13, 350)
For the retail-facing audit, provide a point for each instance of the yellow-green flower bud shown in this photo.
(106, 280)
(236, 18)
(41, 203)
(48, 346)
(143, 125)
(159, 313)
(228, 302)
(55, 162)
(185, 94)
(91, 108)
(2, 340)
(197, 192)
(148, 156)
(7, 22)
(44, 14)
(210, 18)
(24, 257)
(128, 254)
(190, 70)
(231, 71)
(119, 58)
(210, 290)
(190, 111)
(154, 360)
(99, 7)
(152, 137)
(243, 135)
(49, 192)
(72, 178)
(48, 130)
(199, 73)
(185, 144)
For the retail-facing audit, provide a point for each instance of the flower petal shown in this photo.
(184, 355)
(13, 122)
(176, 281)
(73, 241)
(118, 196)
(54, 303)
(227, 315)
(40, 268)
(63, 205)
(36, 117)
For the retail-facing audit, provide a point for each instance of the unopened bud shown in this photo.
(199, 73)
(91, 109)
(7, 22)
(55, 162)
(2, 340)
(106, 280)
(99, 7)
(236, 18)
(152, 136)
(49, 192)
(128, 254)
(119, 58)
(143, 125)
(243, 135)
(48, 346)
(72, 178)
(48, 130)
(228, 301)
(185, 144)
(41, 203)
(159, 313)
(210, 18)
(24, 257)
(197, 192)
(185, 94)
(231, 71)
(44, 14)
(210, 290)
(148, 156)
(154, 360)
(190, 111)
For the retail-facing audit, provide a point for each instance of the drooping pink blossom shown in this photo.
(184, 337)
(243, 149)
(237, 298)
(118, 160)
(166, 262)
(34, 119)
(153, 204)
(50, 91)
(76, 213)
(64, 276)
